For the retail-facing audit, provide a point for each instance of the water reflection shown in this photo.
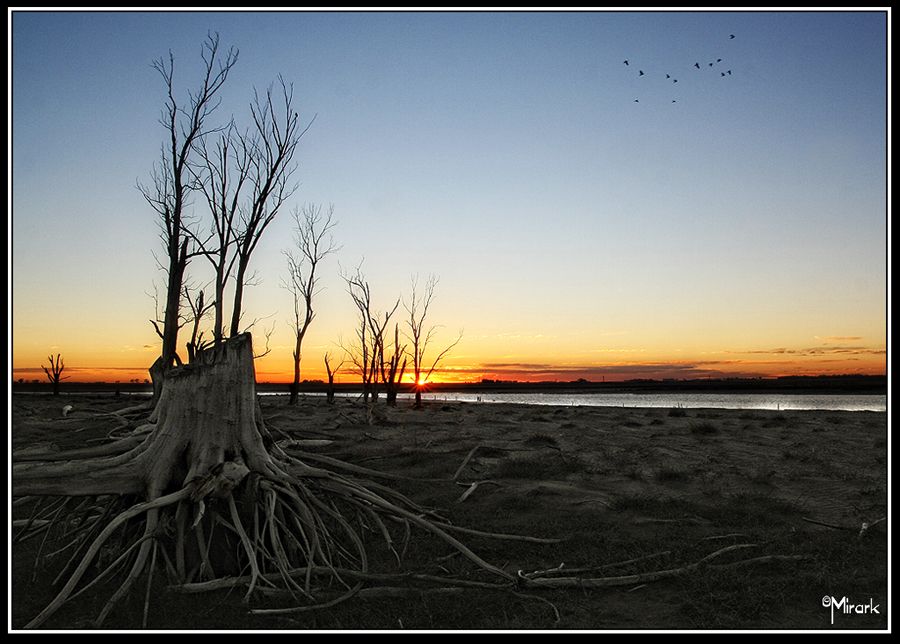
(840, 402)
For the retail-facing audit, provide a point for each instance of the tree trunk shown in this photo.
(238, 298)
(209, 415)
(295, 384)
(418, 397)
(177, 265)
(169, 352)
(330, 393)
(218, 325)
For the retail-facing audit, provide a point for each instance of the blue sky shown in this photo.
(502, 151)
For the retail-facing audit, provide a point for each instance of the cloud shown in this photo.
(70, 369)
(656, 370)
(812, 351)
(818, 351)
(839, 338)
(145, 347)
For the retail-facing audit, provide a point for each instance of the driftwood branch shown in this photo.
(472, 487)
(465, 462)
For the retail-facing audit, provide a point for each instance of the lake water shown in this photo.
(833, 402)
(836, 402)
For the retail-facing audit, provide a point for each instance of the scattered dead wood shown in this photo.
(465, 462)
(732, 535)
(471, 487)
(693, 520)
(827, 525)
(867, 526)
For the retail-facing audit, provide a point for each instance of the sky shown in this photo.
(583, 220)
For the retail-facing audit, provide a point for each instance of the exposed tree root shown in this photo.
(114, 448)
(101, 539)
(535, 580)
(318, 518)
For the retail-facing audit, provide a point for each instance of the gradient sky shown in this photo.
(741, 230)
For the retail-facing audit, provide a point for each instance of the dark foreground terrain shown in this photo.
(628, 491)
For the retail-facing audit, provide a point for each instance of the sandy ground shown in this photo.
(612, 482)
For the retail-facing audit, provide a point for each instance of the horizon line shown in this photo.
(489, 381)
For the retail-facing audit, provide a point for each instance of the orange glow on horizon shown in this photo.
(545, 373)
(492, 361)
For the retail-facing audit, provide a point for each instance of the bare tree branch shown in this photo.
(272, 144)
(221, 176)
(186, 126)
(369, 353)
(312, 236)
(421, 336)
(268, 335)
(54, 372)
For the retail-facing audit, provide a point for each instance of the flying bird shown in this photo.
(718, 60)
(640, 72)
(625, 61)
(731, 36)
(697, 65)
(710, 64)
(729, 72)
(674, 80)
(636, 101)
(667, 76)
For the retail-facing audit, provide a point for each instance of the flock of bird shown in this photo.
(722, 74)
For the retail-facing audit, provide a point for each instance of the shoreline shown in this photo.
(800, 385)
(767, 402)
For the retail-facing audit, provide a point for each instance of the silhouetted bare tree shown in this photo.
(332, 372)
(357, 351)
(221, 175)
(193, 309)
(273, 143)
(421, 337)
(367, 353)
(54, 372)
(392, 368)
(186, 125)
(310, 229)
(198, 310)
